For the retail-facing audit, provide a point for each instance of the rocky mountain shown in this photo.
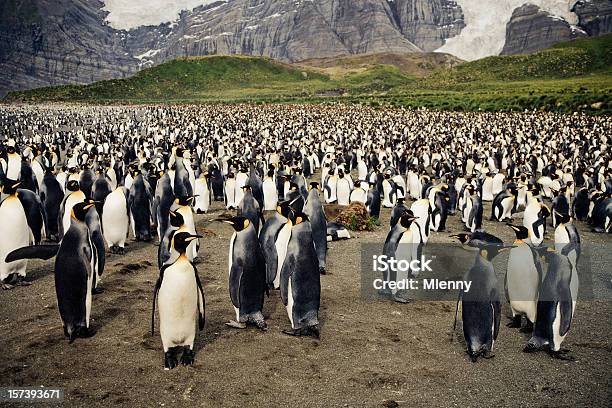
(302, 29)
(594, 16)
(52, 42)
(531, 29)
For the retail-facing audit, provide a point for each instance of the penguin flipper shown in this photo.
(33, 252)
(201, 301)
(155, 291)
(496, 314)
(536, 226)
(235, 280)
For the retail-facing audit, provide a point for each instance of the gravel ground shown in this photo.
(370, 353)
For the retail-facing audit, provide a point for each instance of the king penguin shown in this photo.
(15, 234)
(318, 222)
(180, 298)
(247, 275)
(300, 280)
(267, 239)
(523, 277)
(116, 220)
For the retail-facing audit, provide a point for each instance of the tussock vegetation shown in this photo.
(572, 76)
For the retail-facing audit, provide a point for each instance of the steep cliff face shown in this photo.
(51, 42)
(428, 23)
(531, 29)
(594, 16)
(286, 30)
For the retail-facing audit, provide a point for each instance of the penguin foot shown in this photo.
(80, 333)
(310, 331)
(236, 325)
(197, 260)
(187, 357)
(515, 323)
(561, 355)
(400, 298)
(170, 361)
(322, 270)
(7, 286)
(528, 327)
(97, 291)
(532, 348)
(22, 282)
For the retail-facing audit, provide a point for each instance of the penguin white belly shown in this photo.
(507, 205)
(343, 192)
(230, 263)
(530, 216)
(330, 192)
(178, 305)
(420, 209)
(115, 220)
(192, 249)
(362, 170)
(290, 301)
(13, 169)
(498, 184)
(270, 195)
(202, 193)
(358, 196)
(399, 180)
(388, 198)
(415, 186)
(282, 241)
(523, 282)
(15, 234)
(487, 189)
(73, 198)
(129, 180)
(230, 193)
(556, 330)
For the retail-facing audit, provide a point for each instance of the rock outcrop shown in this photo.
(52, 42)
(594, 16)
(531, 29)
(428, 23)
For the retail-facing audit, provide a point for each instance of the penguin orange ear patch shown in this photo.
(298, 220)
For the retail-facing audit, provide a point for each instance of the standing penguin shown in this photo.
(481, 306)
(267, 239)
(318, 222)
(373, 201)
(523, 278)
(556, 305)
(399, 245)
(300, 280)
(139, 202)
(270, 193)
(179, 295)
(343, 188)
(229, 188)
(116, 220)
(15, 234)
(474, 218)
(73, 196)
(560, 205)
(51, 196)
(249, 207)
(75, 268)
(503, 205)
(203, 195)
(247, 275)
(567, 238)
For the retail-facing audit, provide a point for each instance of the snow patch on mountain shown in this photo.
(485, 31)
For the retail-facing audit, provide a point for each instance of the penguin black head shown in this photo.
(544, 211)
(314, 185)
(10, 150)
(298, 217)
(520, 231)
(79, 210)
(284, 208)
(10, 186)
(246, 188)
(73, 185)
(176, 219)
(488, 245)
(407, 219)
(181, 240)
(184, 201)
(463, 237)
(563, 218)
(238, 223)
(271, 173)
(293, 186)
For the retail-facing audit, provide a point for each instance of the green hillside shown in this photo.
(570, 76)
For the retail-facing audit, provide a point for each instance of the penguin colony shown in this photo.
(88, 179)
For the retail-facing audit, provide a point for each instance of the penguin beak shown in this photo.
(88, 206)
(193, 237)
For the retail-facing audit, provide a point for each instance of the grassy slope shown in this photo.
(570, 76)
